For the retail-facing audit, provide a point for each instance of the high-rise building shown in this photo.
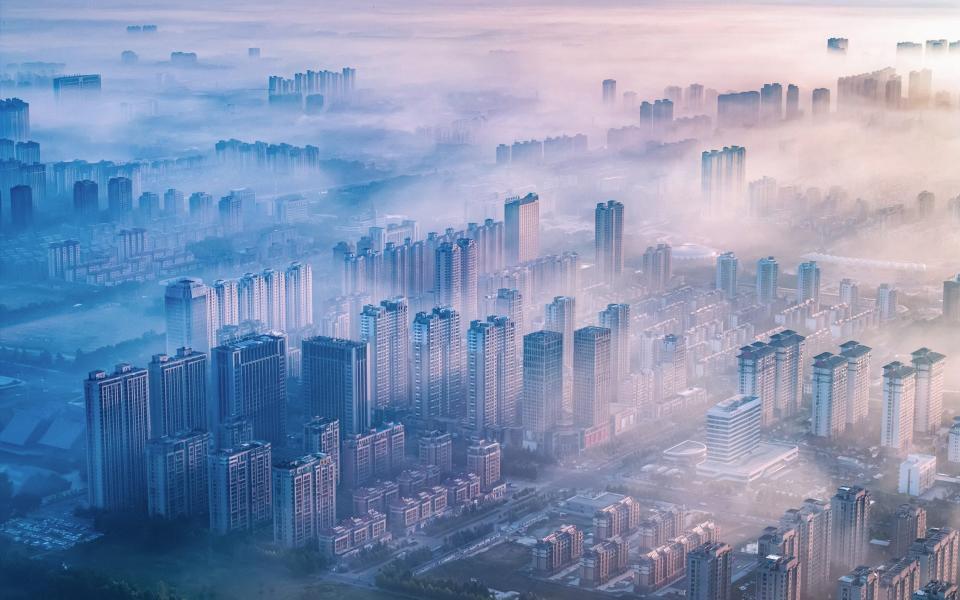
(920, 89)
(733, 428)
(592, 389)
(373, 454)
(609, 91)
(298, 280)
(738, 109)
(768, 280)
(937, 552)
(951, 300)
(863, 583)
(657, 267)
(808, 283)
(304, 499)
(887, 302)
(793, 102)
(858, 383)
(850, 532)
(14, 119)
(468, 278)
(436, 449)
(757, 376)
(542, 380)
(493, 381)
(910, 523)
(899, 399)
(250, 378)
(118, 425)
(608, 240)
(726, 280)
(386, 329)
(483, 459)
(447, 276)
(900, 578)
(178, 392)
(820, 104)
(850, 294)
(177, 474)
(336, 383)
(771, 103)
(778, 578)
(789, 347)
(811, 522)
(173, 203)
(616, 318)
(322, 435)
(830, 389)
(76, 87)
(21, 207)
(509, 303)
(191, 315)
(119, 197)
(928, 399)
(671, 369)
(521, 219)
(708, 572)
(86, 200)
(241, 494)
(438, 363)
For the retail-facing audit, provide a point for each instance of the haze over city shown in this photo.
(478, 300)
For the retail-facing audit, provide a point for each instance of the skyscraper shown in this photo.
(608, 240)
(899, 398)
(733, 428)
(808, 283)
(768, 277)
(250, 378)
(241, 494)
(542, 380)
(521, 219)
(118, 425)
(726, 281)
(592, 388)
(561, 316)
(928, 400)
(829, 405)
(178, 392)
(304, 499)
(616, 318)
(336, 382)
(386, 330)
(708, 572)
(173, 203)
(910, 523)
(274, 307)
(738, 109)
(322, 435)
(811, 522)
(850, 510)
(493, 381)
(438, 363)
(177, 474)
(191, 315)
(793, 102)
